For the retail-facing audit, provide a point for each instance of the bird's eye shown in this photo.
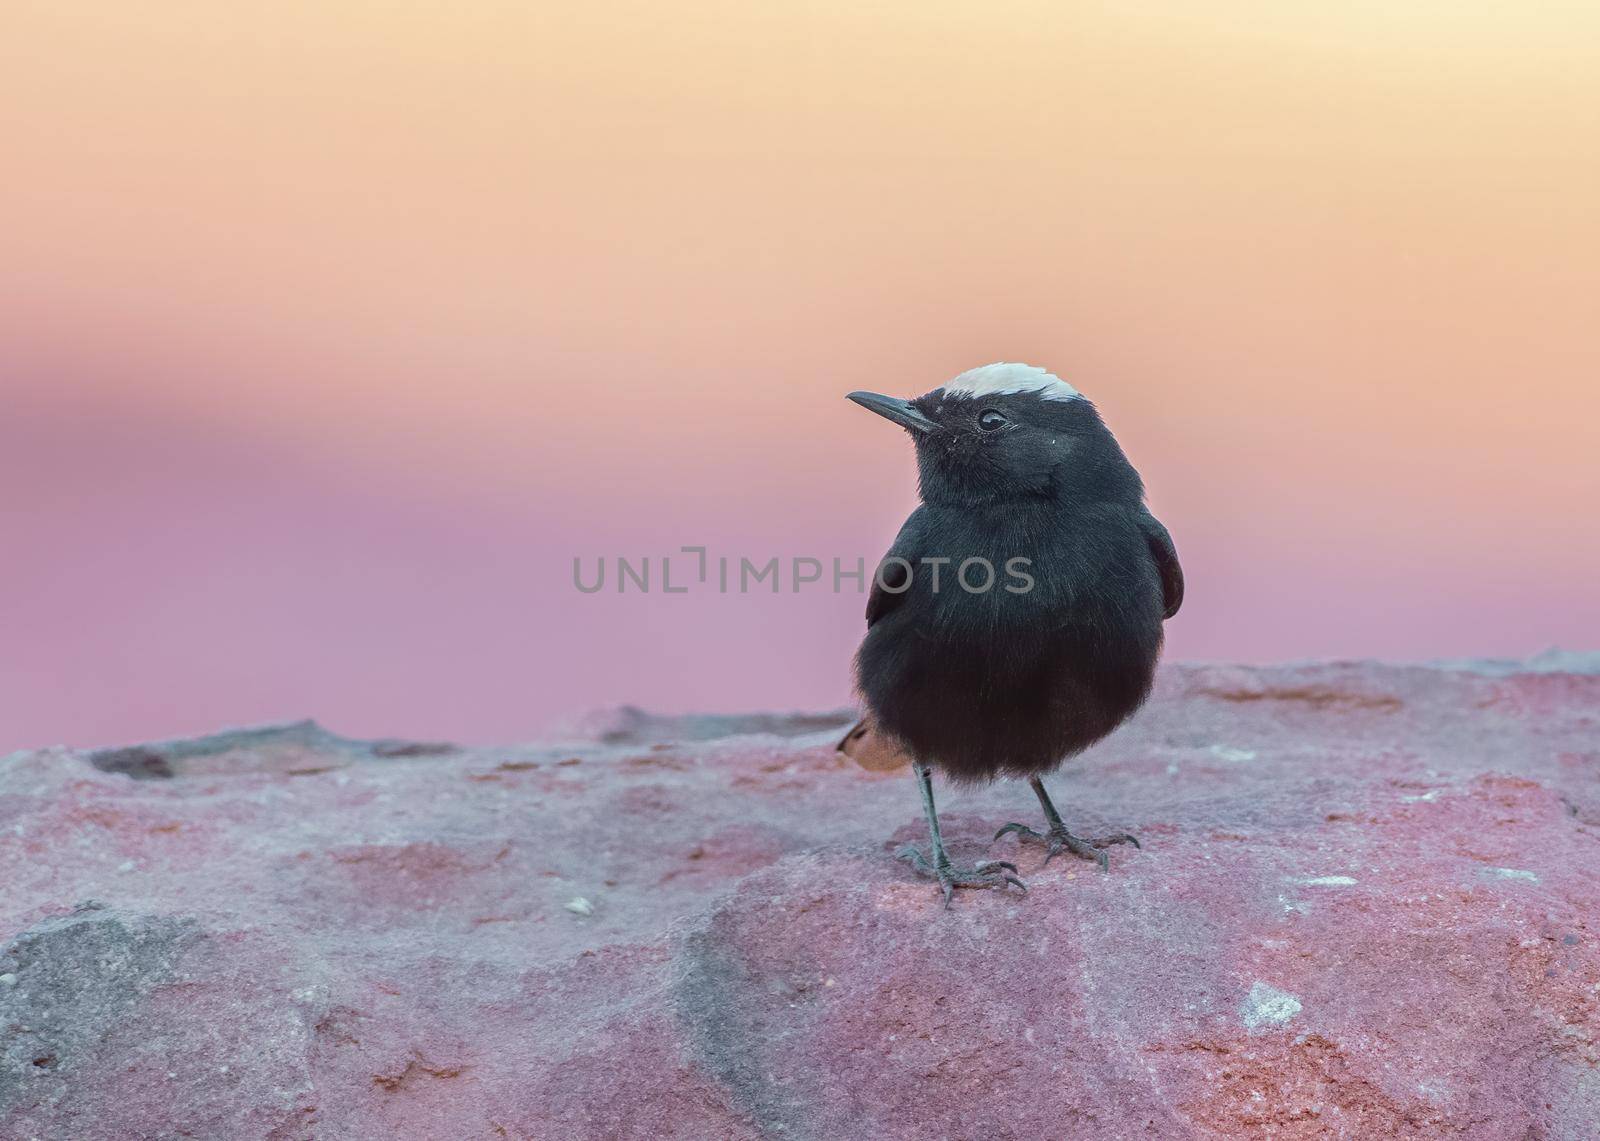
(992, 421)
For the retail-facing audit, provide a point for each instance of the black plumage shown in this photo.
(1024, 486)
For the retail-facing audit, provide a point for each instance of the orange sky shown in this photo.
(334, 330)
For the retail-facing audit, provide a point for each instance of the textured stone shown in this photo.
(1365, 908)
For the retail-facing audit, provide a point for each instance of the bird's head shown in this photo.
(1006, 432)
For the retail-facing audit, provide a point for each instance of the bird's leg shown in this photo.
(1057, 836)
(985, 873)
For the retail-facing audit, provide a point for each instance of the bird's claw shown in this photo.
(985, 873)
(1059, 839)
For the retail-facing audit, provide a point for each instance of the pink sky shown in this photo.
(332, 333)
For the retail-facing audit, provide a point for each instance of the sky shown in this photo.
(332, 333)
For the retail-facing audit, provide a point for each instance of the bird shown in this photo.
(1017, 618)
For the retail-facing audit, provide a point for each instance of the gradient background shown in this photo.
(332, 331)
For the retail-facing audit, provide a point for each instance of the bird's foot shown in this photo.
(1059, 840)
(985, 873)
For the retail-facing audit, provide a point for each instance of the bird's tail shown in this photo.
(872, 750)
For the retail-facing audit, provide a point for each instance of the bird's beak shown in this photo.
(890, 408)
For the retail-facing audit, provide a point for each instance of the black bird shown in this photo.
(1017, 618)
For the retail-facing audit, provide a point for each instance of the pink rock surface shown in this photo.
(1368, 906)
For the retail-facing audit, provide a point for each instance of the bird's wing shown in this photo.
(863, 743)
(908, 546)
(1166, 557)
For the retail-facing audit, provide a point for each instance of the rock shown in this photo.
(121, 1023)
(299, 748)
(629, 725)
(1365, 908)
